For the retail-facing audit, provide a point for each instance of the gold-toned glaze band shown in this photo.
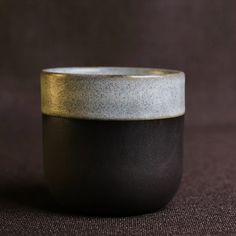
(113, 93)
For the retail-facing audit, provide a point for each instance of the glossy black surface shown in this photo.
(113, 167)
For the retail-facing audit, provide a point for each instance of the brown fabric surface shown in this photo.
(198, 37)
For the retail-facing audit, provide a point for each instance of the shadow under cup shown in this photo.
(113, 138)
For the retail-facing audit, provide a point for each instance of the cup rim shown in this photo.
(111, 72)
(113, 93)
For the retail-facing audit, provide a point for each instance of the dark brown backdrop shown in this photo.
(198, 37)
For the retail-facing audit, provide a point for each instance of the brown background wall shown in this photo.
(198, 37)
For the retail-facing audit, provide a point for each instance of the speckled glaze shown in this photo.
(113, 93)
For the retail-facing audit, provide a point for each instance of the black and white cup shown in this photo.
(113, 137)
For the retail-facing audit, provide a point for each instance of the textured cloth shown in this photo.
(198, 37)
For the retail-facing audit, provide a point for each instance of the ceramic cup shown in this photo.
(113, 137)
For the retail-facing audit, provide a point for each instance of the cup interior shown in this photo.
(110, 71)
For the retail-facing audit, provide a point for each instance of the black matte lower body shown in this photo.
(112, 167)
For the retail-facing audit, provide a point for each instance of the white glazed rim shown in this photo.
(110, 72)
(113, 93)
